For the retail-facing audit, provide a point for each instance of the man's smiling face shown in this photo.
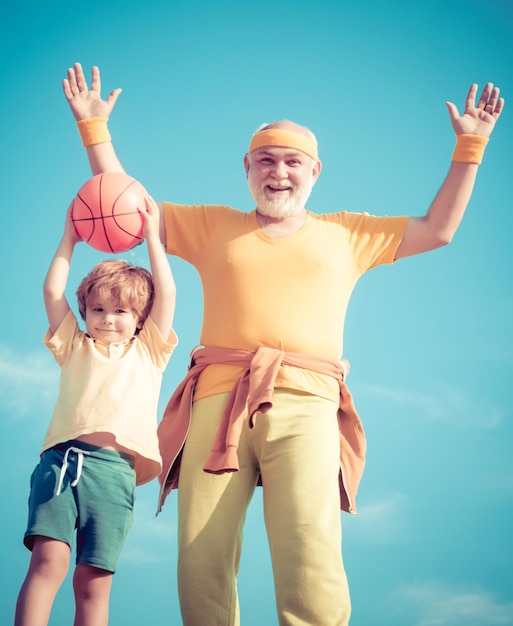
(280, 180)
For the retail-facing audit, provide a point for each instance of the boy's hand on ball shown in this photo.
(70, 232)
(151, 216)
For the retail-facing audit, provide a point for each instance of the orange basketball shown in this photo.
(105, 212)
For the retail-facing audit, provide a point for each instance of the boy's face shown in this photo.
(109, 322)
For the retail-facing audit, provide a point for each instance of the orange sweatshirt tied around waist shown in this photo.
(253, 392)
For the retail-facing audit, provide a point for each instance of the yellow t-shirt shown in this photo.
(289, 293)
(110, 388)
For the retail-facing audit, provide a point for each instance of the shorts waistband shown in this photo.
(79, 449)
(90, 448)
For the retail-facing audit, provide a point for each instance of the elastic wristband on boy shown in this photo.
(93, 130)
(469, 148)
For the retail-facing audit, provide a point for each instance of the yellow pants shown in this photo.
(295, 447)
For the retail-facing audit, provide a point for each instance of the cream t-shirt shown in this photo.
(110, 388)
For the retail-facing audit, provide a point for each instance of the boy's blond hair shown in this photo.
(129, 285)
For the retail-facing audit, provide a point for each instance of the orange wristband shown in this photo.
(469, 148)
(93, 130)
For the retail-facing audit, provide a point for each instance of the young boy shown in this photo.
(102, 439)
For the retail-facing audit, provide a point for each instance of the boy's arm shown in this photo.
(163, 308)
(443, 218)
(54, 287)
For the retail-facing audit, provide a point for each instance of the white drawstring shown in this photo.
(80, 461)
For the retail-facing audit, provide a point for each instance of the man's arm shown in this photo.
(438, 226)
(87, 103)
(163, 307)
(54, 287)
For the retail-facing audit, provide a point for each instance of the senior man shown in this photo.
(267, 387)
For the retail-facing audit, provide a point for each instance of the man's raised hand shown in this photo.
(85, 102)
(477, 119)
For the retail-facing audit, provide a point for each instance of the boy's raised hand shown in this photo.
(85, 102)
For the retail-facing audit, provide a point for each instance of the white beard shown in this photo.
(280, 206)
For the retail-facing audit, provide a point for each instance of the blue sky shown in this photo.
(429, 339)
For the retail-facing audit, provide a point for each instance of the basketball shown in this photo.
(105, 212)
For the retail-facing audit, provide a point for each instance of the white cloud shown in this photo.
(28, 382)
(152, 539)
(444, 403)
(435, 604)
(381, 521)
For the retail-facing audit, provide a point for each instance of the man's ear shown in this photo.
(316, 170)
(246, 164)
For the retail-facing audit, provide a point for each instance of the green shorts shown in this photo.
(94, 494)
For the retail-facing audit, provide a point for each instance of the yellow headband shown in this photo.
(285, 139)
